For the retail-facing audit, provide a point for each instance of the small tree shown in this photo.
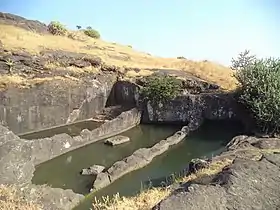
(243, 60)
(78, 27)
(160, 88)
(56, 28)
(89, 31)
(260, 89)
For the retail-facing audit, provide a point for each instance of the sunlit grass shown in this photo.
(146, 199)
(11, 200)
(14, 38)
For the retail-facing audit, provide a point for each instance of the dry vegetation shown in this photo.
(149, 198)
(10, 200)
(14, 38)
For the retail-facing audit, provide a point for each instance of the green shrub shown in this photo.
(160, 88)
(260, 89)
(56, 28)
(92, 33)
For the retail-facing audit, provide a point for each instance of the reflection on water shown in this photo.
(71, 129)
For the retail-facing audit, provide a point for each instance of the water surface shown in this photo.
(64, 171)
(207, 141)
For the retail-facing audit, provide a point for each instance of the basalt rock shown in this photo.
(137, 160)
(192, 109)
(93, 170)
(17, 164)
(247, 183)
(116, 140)
(30, 25)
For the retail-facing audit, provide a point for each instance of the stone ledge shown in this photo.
(137, 160)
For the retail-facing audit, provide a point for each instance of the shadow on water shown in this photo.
(64, 171)
(73, 129)
(209, 140)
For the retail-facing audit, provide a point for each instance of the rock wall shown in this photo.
(124, 93)
(17, 167)
(192, 109)
(47, 148)
(53, 103)
(250, 180)
(18, 158)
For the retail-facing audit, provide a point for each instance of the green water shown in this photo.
(209, 140)
(72, 129)
(64, 171)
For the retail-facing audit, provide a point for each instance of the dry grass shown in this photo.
(142, 72)
(20, 82)
(10, 200)
(113, 54)
(149, 198)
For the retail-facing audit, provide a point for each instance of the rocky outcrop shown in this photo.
(51, 198)
(124, 93)
(17, 167)
(138, 159)
(31, 25)
(116, 140)
(16, 163)
(93, 170)
(53, 103)
(250, 182)
(192, 109)
(47, 148)
(18, 158)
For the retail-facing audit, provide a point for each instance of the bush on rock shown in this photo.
(56, 28)
(92, 33)
(161, 88)
(260, 89)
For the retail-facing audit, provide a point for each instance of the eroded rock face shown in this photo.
(51, 198)
(31, 25)
(47, 148)
(192, 109)
(93, 170)
(53, 103)
(252, 181)
(17, 164)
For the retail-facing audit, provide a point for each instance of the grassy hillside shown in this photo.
(14, 38)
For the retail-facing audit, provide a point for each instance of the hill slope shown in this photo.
(18, 34)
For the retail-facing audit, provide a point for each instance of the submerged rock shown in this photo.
(116, 140)
(93, 170)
